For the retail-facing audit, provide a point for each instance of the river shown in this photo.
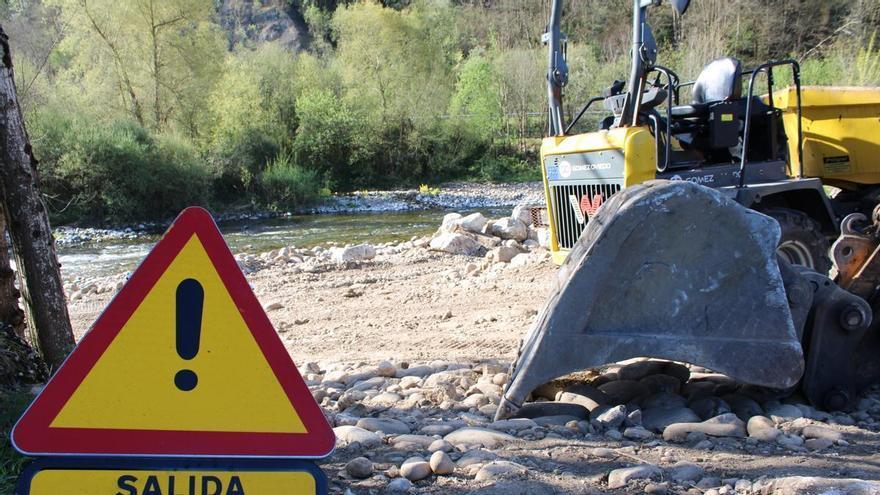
(117, 256)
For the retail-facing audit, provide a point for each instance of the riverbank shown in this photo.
(407, 347)
(448, 196)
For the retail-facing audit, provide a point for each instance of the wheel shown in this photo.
(802, 242)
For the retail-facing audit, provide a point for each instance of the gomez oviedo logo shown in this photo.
(586, 207)
(566, 168)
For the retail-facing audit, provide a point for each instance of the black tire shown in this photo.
(802, 241)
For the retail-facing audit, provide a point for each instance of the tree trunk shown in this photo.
(10, 311)
(28, 224)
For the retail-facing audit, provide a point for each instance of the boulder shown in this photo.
(523, 213)
(510, 228)
(455, 243)
(473, 222)
(361, 252)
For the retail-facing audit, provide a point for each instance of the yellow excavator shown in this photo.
(704, 232)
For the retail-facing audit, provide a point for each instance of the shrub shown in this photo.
(287, 185)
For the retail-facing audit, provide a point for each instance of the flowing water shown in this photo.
(116, 256)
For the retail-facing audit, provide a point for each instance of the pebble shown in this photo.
(415, 469)
(725, 425)
(658, 419)
(399, 485)
(478, 436)
(816, 444)
(637, 433)
(683, 471)
(497, 470)
(352, 434)
(533, 410)
(822, 432)
(440, 445)
(386, 369)
(623, 391)
(359, 467)
(657, 488)
(621, 477)
(388, 426)
(613, 417)
(763, 429)
(441, 463)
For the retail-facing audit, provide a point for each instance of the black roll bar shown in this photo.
(768, 68)
(581, 113)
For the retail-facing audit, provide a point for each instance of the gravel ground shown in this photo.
(407, 349)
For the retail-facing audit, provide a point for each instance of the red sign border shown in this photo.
(34, 436)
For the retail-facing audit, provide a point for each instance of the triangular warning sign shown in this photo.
(183, 362)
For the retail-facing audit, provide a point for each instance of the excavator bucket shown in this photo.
(674, 271)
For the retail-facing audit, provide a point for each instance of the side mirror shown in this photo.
(680, 6)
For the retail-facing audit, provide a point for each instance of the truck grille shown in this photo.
(569, 219)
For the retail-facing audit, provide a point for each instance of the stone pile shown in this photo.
(401, 426)
(510, 239)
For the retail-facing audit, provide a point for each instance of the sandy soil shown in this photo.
(419, 306)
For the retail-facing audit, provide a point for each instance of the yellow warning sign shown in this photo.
(183, 362)
(234, 379)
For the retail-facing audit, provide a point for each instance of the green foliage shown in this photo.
(12, 405)
(136, 108)
(287, 185)
(120, 172)
(428, 190)
(505, 168)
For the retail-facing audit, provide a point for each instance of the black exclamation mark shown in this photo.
(190, 300)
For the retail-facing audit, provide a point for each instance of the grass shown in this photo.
(12, 405)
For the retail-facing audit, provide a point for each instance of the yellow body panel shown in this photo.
(640, 161)
(841, 133)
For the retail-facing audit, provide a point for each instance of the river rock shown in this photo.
(388, 426)
(612, 417)
(415, 469)
(619, 478)
(762, 428)
(386, 369)
(726, 425)
(523, 213)
(816, 444)
(814, 431)
(359, 467)
(351, 434)
(497, 470)
(413, 441)
(623, 391)
(361, 252)
(637, 433)
(658, 419)
(441, 463)
(816, 485)
(784, 412)
(744, 407)
(399, 485)
(515, 424)
(473, 222)
(475, 456)
(708, 407)
(455, 243)
(663, 400)
(503, 254)
(509, 228)
(661, 383)
(640, 369)
(478, 436)
(534, 410)
(683, 471)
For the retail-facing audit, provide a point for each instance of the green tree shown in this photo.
(154, 60)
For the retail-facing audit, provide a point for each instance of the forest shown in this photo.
(137, 108)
